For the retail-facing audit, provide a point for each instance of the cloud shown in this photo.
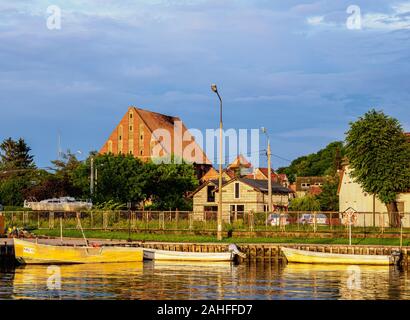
(397, 18)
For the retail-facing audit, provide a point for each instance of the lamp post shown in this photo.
(270, 207)
(219, 231)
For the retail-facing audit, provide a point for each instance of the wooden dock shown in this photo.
(253, 251)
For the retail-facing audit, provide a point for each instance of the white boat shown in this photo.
(59, 204)
(167, 255)
(303, 256)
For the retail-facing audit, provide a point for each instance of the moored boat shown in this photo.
(165, 255)
(303, 256)
(27, 252)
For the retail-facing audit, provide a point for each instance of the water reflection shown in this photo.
(161, 280)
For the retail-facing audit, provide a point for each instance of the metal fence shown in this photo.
(140, 221)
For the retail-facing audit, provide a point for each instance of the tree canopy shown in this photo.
(324, 162)
(378, 154)
(118, 179)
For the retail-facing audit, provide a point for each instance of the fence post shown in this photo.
(176, 218)
(314, 222)
(161, 218)
(190, 216)
(251, 221)
(133, 219)
(105, 220)
(51, 220)
(78, 216)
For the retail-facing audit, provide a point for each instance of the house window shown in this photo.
(305, 185)
(109, 146)
(130, 128)
(210, 193)
(237, 190)
(120, 133)
(130, 115)
(131, 146)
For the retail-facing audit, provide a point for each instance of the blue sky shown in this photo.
(291, 66)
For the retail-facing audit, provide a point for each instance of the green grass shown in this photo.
(117, 235)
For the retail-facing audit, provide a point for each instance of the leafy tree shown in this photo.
(325, 162)
(16, 154)
(378, 155)
(170, 184)
(328, 198)
(306, 203)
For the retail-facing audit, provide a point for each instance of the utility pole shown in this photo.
(269, 178)
(219, 231)
(269, 154)
(92, 177)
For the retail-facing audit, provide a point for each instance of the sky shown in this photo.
(302, 69)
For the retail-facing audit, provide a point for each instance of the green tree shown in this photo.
(17, 171)
(325, 162)
(306, 203)
(170, 184)
(16, 154)
(378, 155)
(328, 198)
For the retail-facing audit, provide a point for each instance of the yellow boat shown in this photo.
(303, 256)
(32, 253)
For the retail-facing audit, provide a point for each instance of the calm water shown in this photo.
(205, 281)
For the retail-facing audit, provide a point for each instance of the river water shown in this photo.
(154, 280)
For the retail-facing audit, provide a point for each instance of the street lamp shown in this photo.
(268, 153)
(219, 231)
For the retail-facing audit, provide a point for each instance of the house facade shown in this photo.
(150, 135)
(309, 185)
(239, 195)
(369, 207)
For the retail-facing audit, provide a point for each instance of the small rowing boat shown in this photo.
(303, 256)
(27, 252)
(165, 255)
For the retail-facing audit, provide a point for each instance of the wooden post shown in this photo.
(51, 220)
(176, 218)
(61, 229)
(190, 221)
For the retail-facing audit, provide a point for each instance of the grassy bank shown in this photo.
(118, 235)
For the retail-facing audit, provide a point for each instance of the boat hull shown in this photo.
(165, 255)
(302, 256)
(31, 253)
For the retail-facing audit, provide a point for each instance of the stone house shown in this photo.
(239, 195)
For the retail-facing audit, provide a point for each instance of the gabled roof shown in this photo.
(265, 172)
(212, 182)
(157, 121)
(261, 185)
(240, 161)
(154, 122)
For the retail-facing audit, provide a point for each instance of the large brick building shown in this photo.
(149, 135)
